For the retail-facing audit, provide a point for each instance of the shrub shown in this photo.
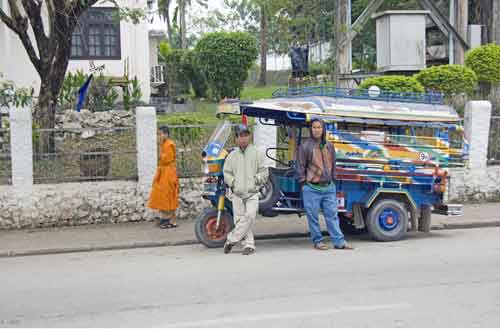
(484, 61)
(163, 50)
(69, 91)
(101, 95)
(394, 83)
(195, 74)
(132, 95)
(177, 68)
(225, 58)
(316, 69)
(448, 79)
(10, 95)
(185, 136)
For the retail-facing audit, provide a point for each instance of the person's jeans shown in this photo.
(314, 200)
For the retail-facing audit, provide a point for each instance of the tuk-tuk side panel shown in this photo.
(367, 193)
(408, 149)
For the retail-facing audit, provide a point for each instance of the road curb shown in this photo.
(156, 244)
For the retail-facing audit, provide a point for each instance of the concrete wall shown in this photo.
(478, 181)
(16, 66)
(71, 204)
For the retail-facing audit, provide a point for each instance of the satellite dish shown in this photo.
(374, 91)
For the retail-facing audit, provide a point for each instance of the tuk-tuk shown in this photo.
(393, 153)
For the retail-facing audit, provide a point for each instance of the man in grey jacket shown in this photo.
(245, 174)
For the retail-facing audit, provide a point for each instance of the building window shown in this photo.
(97, 35)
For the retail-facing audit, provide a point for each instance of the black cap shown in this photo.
(241, 128)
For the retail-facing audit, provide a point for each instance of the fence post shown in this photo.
(147, 157)
(266, 136)
(21, 148)
(477, 130)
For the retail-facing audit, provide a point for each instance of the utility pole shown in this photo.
(495, 22)
(461, 22)
(451, 41)
(342, 51)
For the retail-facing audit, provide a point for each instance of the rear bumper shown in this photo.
(449, 209)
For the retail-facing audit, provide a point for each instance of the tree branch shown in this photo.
(34, 14)
(9, 22)
(19, 24)
(51, 13)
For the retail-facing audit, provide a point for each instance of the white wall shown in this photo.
(15, 64)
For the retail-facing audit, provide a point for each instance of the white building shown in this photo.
(122, 47)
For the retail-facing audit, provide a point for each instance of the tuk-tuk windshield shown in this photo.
(218, 139)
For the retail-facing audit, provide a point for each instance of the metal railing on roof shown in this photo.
(331, 91)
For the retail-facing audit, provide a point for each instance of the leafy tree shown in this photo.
(225, 58)
(176, 24)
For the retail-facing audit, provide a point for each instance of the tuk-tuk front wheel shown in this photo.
(206, 230)
(387, 220)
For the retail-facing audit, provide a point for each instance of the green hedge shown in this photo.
(394, 83)
(225, 58)
(448, 79)
(316, 69)
(485, 62)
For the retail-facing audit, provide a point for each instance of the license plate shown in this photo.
(340, 201)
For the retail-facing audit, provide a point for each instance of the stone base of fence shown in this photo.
(71, 204)
(474, 185)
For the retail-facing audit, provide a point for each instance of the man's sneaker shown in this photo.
(227, 247)
(248, 251)
(320, 246)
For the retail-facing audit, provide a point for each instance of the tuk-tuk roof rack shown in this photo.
(331, 91)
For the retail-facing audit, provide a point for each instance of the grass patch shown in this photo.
(258, 92)
(205, 110)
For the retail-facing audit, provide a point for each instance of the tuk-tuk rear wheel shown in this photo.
(387, 220)
(206, 231)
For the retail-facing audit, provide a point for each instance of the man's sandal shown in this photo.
(320, 246)
(346, 246)
(165, 223)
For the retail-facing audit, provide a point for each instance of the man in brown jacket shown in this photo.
(316, 172)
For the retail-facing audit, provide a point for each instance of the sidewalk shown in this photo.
(143, 235)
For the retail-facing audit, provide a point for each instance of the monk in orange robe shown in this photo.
(165, 190)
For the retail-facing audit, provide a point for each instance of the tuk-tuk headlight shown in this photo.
(204, 168)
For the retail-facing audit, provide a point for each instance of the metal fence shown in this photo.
(5, 157)
(494, 141)
(190, 141)
(88, 154)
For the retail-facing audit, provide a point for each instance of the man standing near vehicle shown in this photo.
(316, 173)
(245, 174)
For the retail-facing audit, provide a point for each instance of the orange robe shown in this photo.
(165, 191)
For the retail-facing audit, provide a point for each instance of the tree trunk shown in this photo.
(182, 13)
(263, 47)
(485, 16)
(461, 23)
(44, 119)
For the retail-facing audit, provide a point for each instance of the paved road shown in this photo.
(445, 279)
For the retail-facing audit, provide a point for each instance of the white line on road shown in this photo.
(286, 315)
